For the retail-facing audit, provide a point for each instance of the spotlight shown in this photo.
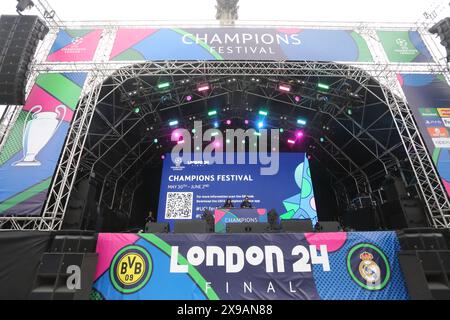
(322, 139)
(216, 124)
(212, 113)
(163, 85)
(300, 134)
(217, 144)
(281, 130)
(263, 113)
(228, 122)
(137, 110)
(284, 87)
(323, 86)
(163, 157)
(189, 98)
(302, 122)
(350, 111)
(260, 124)
(176, 134)
(203, 87)
(290, 141)
(155, 141)
(297, 99)
(246, 122)
(173, 123)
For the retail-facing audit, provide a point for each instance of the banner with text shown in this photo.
(404, 46)
(428, 97)
(322, 266)
(239, 44)
(188, 189)
(75, 45)
(32, 149)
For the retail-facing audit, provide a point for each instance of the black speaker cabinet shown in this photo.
(53, 280)
(405, 213)
(328, 226)
(191, 226)
(297, 226)
(151, 227)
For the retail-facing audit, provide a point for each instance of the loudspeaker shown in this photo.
(19, 38)
(361, 219)
(405, 213)
(248, 227)
(54, 277)
(191, 226)
(151, 227)
(328, 226)
(394, 188)
(300, 226)
(414, 276)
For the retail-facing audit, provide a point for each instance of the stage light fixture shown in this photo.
(350, 111)
(290, 141)
(194, 131)
(189, 98)
(216, 124)
(137, 110)
(284, 87)
(263, 113)
(302, 122)
(246, 122)
(203, 87)
(260, 124)
(297, 99)
(173, 123)
(217, 144)
(23, 5)
(300, 134)
(322, 139)
(163, 157)
(212, 113)
(228, 141)
(228, 122)
(323, 86)
(163, 85)
(281, 130)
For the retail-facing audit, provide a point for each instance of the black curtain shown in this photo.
(20, 254)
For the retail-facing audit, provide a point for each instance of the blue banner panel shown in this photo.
(323, 266)
(149, 44)
(188, 189)
(428, 97)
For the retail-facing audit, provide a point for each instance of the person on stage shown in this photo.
(246, 204)
(228, 204)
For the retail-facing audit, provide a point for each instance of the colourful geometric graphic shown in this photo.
(303, 204)
(360, 266)
(224, 216)
(29, 157)
(239, 44)
(75, 45)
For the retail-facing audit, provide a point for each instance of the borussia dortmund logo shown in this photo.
(368, 267)
(131, 269)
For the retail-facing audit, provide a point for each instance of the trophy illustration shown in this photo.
(37, 133)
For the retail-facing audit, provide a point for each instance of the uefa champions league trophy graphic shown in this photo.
(38, 132)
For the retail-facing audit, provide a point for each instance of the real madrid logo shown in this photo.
(368, 266)
(131, 269)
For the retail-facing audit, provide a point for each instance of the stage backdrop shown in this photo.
(32, 150)
(239, 44)
(327, 266)
(428, 96)
(187, 190)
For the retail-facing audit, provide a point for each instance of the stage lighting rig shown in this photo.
(23, 5)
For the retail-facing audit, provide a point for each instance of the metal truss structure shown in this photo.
(82, 158)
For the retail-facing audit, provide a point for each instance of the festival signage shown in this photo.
(239, 44)
(428, 97)
(75, 45)
(29, 157)
(404, 46)
(222, 217)
(190, 188)
(322, 266)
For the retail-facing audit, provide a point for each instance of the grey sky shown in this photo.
(316, 10)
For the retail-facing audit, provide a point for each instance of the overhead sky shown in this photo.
(282, 10)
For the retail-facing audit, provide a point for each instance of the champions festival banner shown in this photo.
(321, 266)
(30, 155)
(188, 189)
(404, 46)
(428, 96)
(239, 44)
(32, 150)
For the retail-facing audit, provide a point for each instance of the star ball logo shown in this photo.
(368, 267)
(131, 269)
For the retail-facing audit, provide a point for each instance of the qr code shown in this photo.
(179, 205)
